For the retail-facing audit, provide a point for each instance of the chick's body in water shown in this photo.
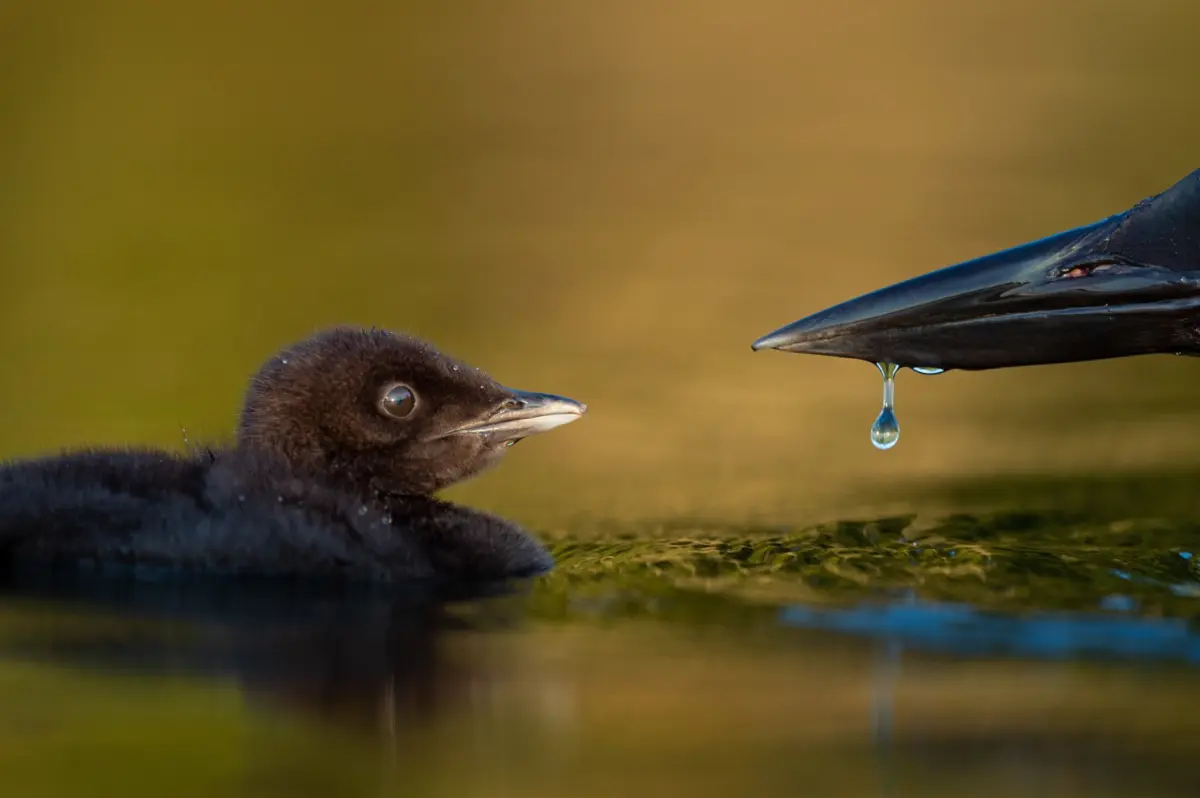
(343, 438)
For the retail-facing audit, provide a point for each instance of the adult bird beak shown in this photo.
(526, 413)
(1126, 285)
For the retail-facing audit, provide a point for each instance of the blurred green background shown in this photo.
(605, 200)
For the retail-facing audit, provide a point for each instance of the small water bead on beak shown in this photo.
(928, 370)
(885, 432)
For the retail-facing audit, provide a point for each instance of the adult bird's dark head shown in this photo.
(1126, 285)
(388, 413)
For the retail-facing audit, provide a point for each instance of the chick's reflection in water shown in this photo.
(365, 662)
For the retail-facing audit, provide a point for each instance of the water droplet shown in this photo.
(455, 368)
(283, 360)
(279, 499)
(886, 429)
(241, 497)
(387, 520)
(362, 510)
(927, 369)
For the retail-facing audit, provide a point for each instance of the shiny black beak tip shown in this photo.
(784, 336)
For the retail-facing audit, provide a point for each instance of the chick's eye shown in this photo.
(398, 401)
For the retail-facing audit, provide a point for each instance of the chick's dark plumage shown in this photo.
(316, 405)
(342, 439)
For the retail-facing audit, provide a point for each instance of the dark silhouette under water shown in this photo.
(342, 439)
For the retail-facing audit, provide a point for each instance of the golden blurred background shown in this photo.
(610, 201)
(605, 200)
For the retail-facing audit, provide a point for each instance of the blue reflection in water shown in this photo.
(965, 630)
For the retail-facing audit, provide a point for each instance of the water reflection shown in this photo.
(507, 695)
(966, 631)
(370, 662)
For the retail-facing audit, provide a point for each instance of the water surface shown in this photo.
(1000, 653)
